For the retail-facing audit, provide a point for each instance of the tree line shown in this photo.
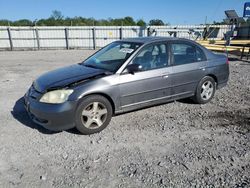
(57, 19)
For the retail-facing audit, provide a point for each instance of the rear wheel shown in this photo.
(93, 114)
(205, 90)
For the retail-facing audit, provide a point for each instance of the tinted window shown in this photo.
(183, 53)
(152, 57)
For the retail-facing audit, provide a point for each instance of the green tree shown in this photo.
(57, 19)
(102, 22)
(5, 22)
(41, 22)
(128, 21)
(23, 22)
(156, 22)
(141, 23)
(117, 22)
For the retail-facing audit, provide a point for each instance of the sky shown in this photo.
(170, 11)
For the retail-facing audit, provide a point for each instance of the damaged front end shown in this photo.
(61, 91)
(50, 100)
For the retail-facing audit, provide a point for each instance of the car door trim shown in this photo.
(148, 91)
(156, 99)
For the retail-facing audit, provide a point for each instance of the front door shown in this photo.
(152, 82)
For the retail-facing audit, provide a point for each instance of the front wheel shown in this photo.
(93, 114)
(205, 90)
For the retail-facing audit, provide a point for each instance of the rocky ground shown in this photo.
(178, 144)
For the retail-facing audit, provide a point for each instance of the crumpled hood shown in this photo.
(65, 76)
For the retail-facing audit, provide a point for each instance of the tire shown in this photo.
(93, 114)
(205, 90)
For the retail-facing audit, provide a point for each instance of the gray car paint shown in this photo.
(131, 91)
(125, 91)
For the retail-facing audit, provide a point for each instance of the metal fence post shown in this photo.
(67, 38)
(121, 33)
(148, 31)
(10, 38)
(94, 38)
(37, 39)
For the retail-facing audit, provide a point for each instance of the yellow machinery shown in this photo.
(242, 46)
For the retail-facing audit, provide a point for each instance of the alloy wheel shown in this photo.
(207, 89)
(94, 115)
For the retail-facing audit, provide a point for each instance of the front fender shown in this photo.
(106, 86)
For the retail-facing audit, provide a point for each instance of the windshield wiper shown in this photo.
(91, 66)
(94, 67)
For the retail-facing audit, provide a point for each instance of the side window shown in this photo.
(200, 55)
(152, 57)
(183, 53)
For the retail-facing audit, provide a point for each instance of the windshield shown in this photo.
(112, 56)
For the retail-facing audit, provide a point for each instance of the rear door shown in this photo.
(152, 82)
(189, 63)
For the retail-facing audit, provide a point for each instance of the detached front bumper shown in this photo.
(55, 117)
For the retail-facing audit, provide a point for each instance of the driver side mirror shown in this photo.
(132, 68)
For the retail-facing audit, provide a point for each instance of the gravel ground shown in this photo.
(178, 144)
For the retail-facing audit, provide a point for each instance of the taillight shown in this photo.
(227, 62)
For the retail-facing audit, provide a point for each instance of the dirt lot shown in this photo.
(178, 144)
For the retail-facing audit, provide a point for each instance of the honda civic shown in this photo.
(125, 75)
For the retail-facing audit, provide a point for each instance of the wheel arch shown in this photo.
(214, 77)
(101, 94)
(196, 98)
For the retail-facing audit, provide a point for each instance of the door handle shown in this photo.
(165, 76)
(202, 68)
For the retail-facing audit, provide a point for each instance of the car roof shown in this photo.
(149, 39)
